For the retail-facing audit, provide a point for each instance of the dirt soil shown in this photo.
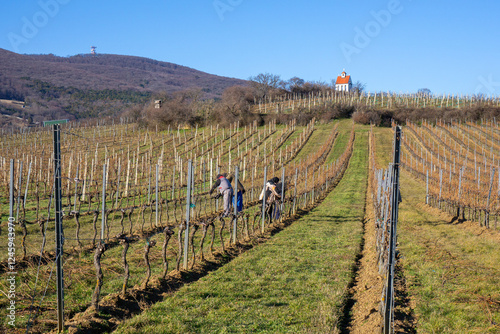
(367, 290)
(369, 283)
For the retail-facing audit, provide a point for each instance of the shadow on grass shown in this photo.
(345, 318)
(333, 219)
(115, 308)
(404, 316)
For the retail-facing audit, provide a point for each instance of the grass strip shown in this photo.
(344, 132)
(452, 272)
(321, 132)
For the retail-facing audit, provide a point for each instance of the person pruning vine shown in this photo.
(223, 185)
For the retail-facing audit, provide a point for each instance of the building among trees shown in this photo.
(343, 83)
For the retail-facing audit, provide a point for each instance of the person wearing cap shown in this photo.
(270, 192)
(226, 190)
(270, 189)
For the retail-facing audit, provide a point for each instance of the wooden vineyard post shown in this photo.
(211, 175)
(295, 191)
(264, 201)
(11, 198)
(440, 186)
(312, 197)
(305, 190)
(188, 211)
(173, 184)
(27, 184)
(203, 174)
(252, 193)
(127, 178)
(84, 179)
(76, 187)
(282, 192)
(235, 203)
(69, 182)
(487, 211)
(427, 188)
(149, 183)
(180, 172)
(20, 177)
(460, 172)
(244, 168)
(193, 189)
(118, 184)
(156, 193)
(103, 210)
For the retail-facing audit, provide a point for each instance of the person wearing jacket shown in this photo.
(239, 195)
(270, 190)
(226, 190)
(271, 193)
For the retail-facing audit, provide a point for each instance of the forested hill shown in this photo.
(92, 85)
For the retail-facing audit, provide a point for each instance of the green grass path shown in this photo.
(296, 282)
(453, 273)
(344, 133)
(320, 134)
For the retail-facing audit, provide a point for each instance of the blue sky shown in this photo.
(391, 45)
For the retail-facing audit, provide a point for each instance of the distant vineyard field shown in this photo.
(144, 240)
(123, 185)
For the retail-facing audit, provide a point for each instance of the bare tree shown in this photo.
(358, 87)
(424, 91)
(180, 108)
(237, 99)
(264, 84)
(295, 84)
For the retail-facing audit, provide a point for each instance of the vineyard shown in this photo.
(140, 224)
(460, 165)
(122, 201)
(382, 100)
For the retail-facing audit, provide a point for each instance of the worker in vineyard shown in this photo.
(279, 190)
(226, 190)
(269, 190)
(271, 194)
(239, 195)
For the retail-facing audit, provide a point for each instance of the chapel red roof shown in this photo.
(344, 80)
